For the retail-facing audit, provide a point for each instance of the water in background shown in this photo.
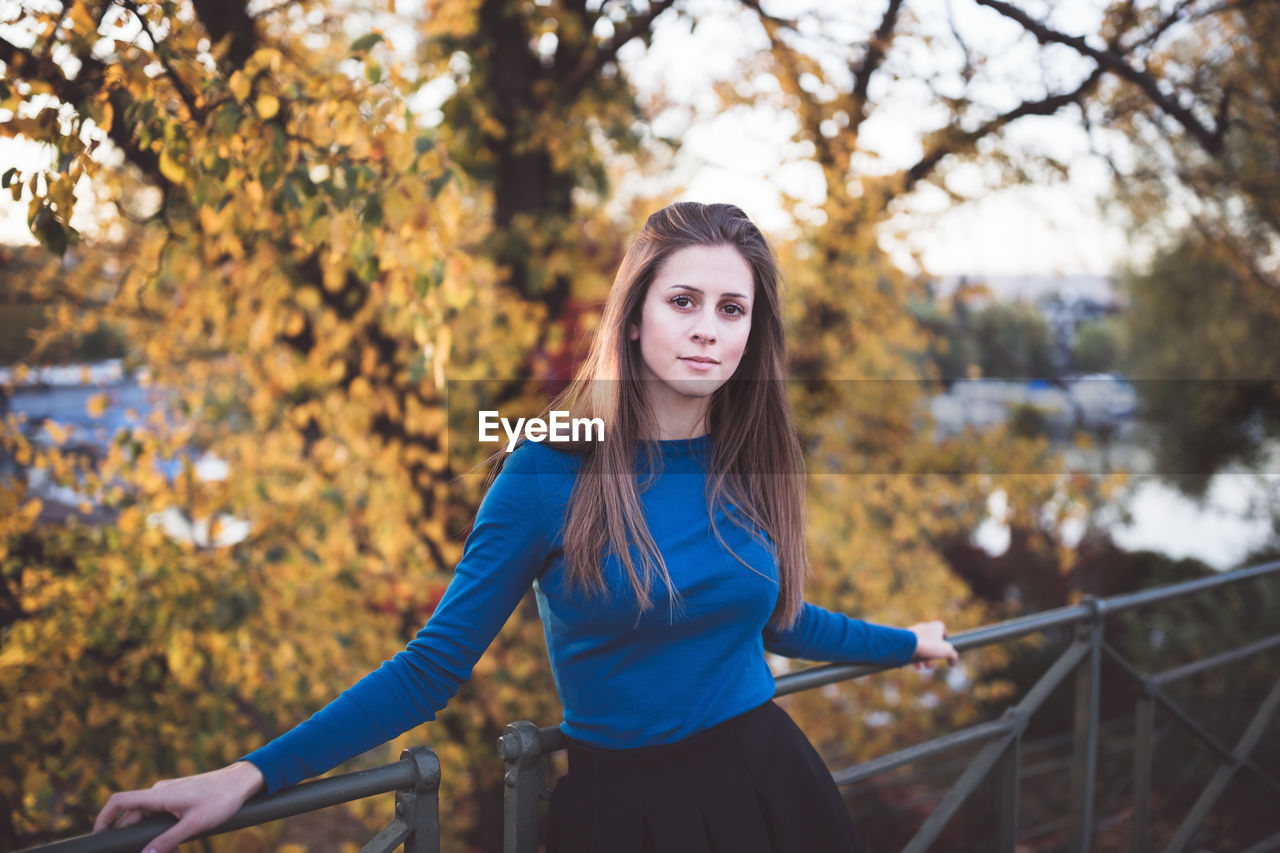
(61, 395)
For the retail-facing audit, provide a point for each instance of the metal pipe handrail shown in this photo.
(1178, 673)
(1141, 598)
(950, 768)
(911, 754)
(1034, 623)
(417, 767)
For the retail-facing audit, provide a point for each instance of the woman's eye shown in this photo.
(685, 301)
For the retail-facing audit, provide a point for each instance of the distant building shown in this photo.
(1066, 302)
(1031, 288)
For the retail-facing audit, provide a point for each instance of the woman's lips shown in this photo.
(700, 366)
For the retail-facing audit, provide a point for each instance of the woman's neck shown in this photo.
(671, 427)
(675, 416)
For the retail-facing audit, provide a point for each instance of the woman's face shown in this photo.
(694, 325)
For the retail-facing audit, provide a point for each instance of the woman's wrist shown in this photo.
(247, 775)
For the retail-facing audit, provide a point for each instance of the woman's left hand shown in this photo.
(931, 644)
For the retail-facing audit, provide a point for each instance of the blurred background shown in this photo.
(253, 255)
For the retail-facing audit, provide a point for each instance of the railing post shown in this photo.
(1007, 782)
(419, 806)
(1085, 738)
(1143, 731)
(525, 781)
(417, 821)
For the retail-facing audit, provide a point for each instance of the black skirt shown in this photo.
(752, 784)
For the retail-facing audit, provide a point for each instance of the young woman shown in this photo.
(666, 558)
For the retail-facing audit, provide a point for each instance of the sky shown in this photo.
(749, 157)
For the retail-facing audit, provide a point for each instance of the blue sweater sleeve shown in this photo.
(821, 635)
(503, 554)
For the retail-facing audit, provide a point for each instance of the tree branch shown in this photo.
(53, 31)
(183, 91)
(1209, 138)
(222, 19)
(957, 140)
(1228, 6)
(809, 112)
(637, 27)
(76, 92)
(754, 5)
(1152, 37)
(967, 70)
(877, 48)
(23, 63)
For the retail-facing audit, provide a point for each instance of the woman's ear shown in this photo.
(634, 333)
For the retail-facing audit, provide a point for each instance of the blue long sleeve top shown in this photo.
(625, 679)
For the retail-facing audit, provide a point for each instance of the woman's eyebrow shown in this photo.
(698, 290)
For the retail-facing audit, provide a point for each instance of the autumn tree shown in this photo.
(1206, 376)
(293, 258)
(542, 118)
(1203, 304)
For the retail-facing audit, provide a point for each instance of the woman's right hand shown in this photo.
(931, 644)
(200, 803)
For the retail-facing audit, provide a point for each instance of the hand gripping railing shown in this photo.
(524, 744)
(415, 778)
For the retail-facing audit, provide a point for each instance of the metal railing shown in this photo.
(524, 746)
(415, 778)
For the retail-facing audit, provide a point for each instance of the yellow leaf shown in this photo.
(96, 405)
(182, 662)
(14, 656)
(294, 323)
(56, 431)
(209, 219)
(444, 342)
(240, 86)
(108, 116)
(82, 23)
(267, 106)
(31, 510)
(171, 169)
(267, 57)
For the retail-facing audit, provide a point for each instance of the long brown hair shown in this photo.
(756, 466)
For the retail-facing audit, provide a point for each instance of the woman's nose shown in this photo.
(704, 329)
